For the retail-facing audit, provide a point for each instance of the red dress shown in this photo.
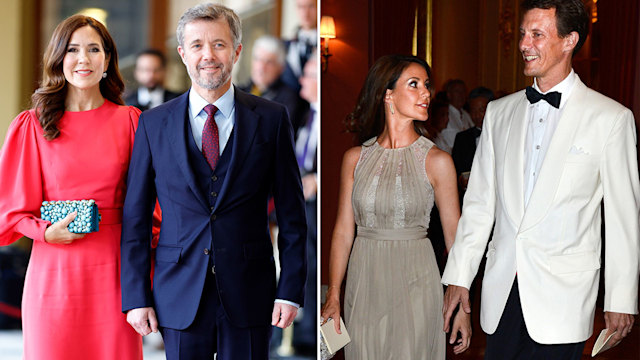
(71, 305)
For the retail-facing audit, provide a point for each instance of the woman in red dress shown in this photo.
(75, 144)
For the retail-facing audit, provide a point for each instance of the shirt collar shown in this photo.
(225, 103)
(308, 35)
(564, 87)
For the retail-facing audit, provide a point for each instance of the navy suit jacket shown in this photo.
(235, 232)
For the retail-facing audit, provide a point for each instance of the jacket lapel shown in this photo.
(553, 164)
(174, 123)
(514, 161)
(244, 131)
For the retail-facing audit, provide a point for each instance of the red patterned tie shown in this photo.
(211, 138)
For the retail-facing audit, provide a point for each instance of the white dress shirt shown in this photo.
(542, 121)
(303, 37)
(459, 120)
(225, 118)
(150, 99)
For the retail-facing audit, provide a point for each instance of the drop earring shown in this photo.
(104, 75)
(391, 109)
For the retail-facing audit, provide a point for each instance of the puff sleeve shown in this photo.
(21, 181)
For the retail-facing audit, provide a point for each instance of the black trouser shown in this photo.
(511, 341)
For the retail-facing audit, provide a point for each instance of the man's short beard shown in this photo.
(214, 83)
(211, 84)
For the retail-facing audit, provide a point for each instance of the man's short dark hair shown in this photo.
(153, 52)
(571, 16)
(481, 92)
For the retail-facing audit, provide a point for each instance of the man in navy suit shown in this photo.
(212, 157)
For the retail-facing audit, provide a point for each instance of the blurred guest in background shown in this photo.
(438, 121)
(74, 144)
(299, 49)
(267, 65)
(459, 118)
(149, 72)
(464, 148)
(305, 336)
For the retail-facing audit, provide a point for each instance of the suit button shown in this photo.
(214, 194)
(213, 217)
(211, 207)
(214, 178)
(206, 251)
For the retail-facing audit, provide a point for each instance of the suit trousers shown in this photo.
(511, 341)
(211, 332)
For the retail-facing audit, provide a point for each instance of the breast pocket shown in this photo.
(583, 174)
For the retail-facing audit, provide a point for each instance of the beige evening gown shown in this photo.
(393, 299)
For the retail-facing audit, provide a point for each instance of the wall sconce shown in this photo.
(327, 31)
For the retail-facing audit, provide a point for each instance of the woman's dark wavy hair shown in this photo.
(49, 98)
(367, 118)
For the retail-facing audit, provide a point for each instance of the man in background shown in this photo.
(267, 65)
(299, 49)
(304, 337)
(464, 147)
(149, 73)
(459, 118)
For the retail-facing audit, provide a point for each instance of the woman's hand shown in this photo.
(331, 308)
(461, 324)
(59, 234)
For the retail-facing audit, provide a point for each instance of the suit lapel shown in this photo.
(244, 130)
(174, 123)
(514, 161)
(553, 164)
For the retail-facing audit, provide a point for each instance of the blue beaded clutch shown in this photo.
(87, 218)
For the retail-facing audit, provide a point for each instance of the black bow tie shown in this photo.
(553, 98)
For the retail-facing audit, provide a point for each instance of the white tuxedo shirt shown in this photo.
(554, 242)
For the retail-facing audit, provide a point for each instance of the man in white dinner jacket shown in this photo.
(547, 157)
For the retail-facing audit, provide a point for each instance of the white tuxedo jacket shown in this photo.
(554, 243)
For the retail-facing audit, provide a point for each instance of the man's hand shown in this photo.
(143, 320)
(453, 296)
(620, 323)
(283, 315)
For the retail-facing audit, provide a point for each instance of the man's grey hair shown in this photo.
(272, 45)
(211, 12)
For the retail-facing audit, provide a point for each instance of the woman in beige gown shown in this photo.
(393, 296)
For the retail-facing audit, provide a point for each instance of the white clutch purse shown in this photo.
(330, 340)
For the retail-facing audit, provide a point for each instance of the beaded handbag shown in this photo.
(87, 218)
